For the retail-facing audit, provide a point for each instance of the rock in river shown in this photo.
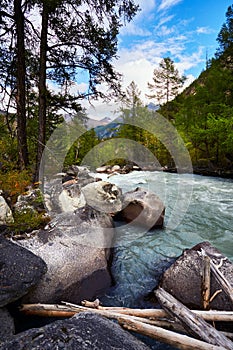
(103, 196)
(184, 278)
(142, 208)
(85, 331)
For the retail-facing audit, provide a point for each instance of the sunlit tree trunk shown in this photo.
(42, 90)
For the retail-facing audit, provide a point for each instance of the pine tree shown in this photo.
(74, 36)
(166, 82)
(225, 40)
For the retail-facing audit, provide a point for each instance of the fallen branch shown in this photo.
(46, 309)
(178, 340)
(193, 323)
(205, 290)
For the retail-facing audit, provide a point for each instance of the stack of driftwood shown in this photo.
(174, 324)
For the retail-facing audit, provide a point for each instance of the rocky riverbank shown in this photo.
(70, 260)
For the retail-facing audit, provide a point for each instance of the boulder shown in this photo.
(184, 278)
(71, 198)
(103, 169)
(73, 246)
(103, 196)
(86, 331)
(20, 270)
(115, 168)
(63, 193)
(7, 329)
(6, 216)
(143, 208)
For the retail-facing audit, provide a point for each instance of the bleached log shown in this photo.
(205, 290)
(211, 315)
(180, 341)
(193, 323)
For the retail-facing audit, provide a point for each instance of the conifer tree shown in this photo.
(166, 82)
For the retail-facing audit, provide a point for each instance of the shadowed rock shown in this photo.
(85, 331)
(184, 278)
(20, 270)
(142, 208)
(7, 328)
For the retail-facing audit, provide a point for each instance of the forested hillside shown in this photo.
(202, 113)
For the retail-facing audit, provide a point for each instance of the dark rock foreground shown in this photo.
(20, 270)
(85, 331)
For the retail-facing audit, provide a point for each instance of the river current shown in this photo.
(198, 208)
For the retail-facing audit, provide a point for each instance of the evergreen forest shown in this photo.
(71, 38)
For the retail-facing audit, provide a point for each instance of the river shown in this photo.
(198, 209)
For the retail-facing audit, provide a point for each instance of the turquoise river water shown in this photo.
(198, 209)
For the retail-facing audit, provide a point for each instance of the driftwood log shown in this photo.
(193, 323)
(69, 310)
(178, 340)
(150, 322)
(206, 283)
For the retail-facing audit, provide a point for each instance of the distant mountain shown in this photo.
(108, 130)
(93, 123)
(152, 107)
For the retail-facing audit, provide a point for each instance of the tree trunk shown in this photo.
(20, 83)
(42, 91)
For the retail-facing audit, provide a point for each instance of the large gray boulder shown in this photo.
(85, 331)
(7, 328)
(184, 278)
(75, 249)
(144, 208)
(103, 196)
(20, 271)
(6, 216)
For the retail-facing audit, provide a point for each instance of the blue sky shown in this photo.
(184, 30)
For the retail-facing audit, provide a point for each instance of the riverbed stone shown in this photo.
(75, 247)
(6, 216)
(20, 270)
(63, 193)
(141, 207)
(86, 331)
(7, 328)
(103, 196)
(184, 278)
(71, 198)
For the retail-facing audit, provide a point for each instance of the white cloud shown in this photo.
(146, 6)
(164, 20)
(166, 4)
(164, 30)
(204, 30)
(133, 29)
(189, 61)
